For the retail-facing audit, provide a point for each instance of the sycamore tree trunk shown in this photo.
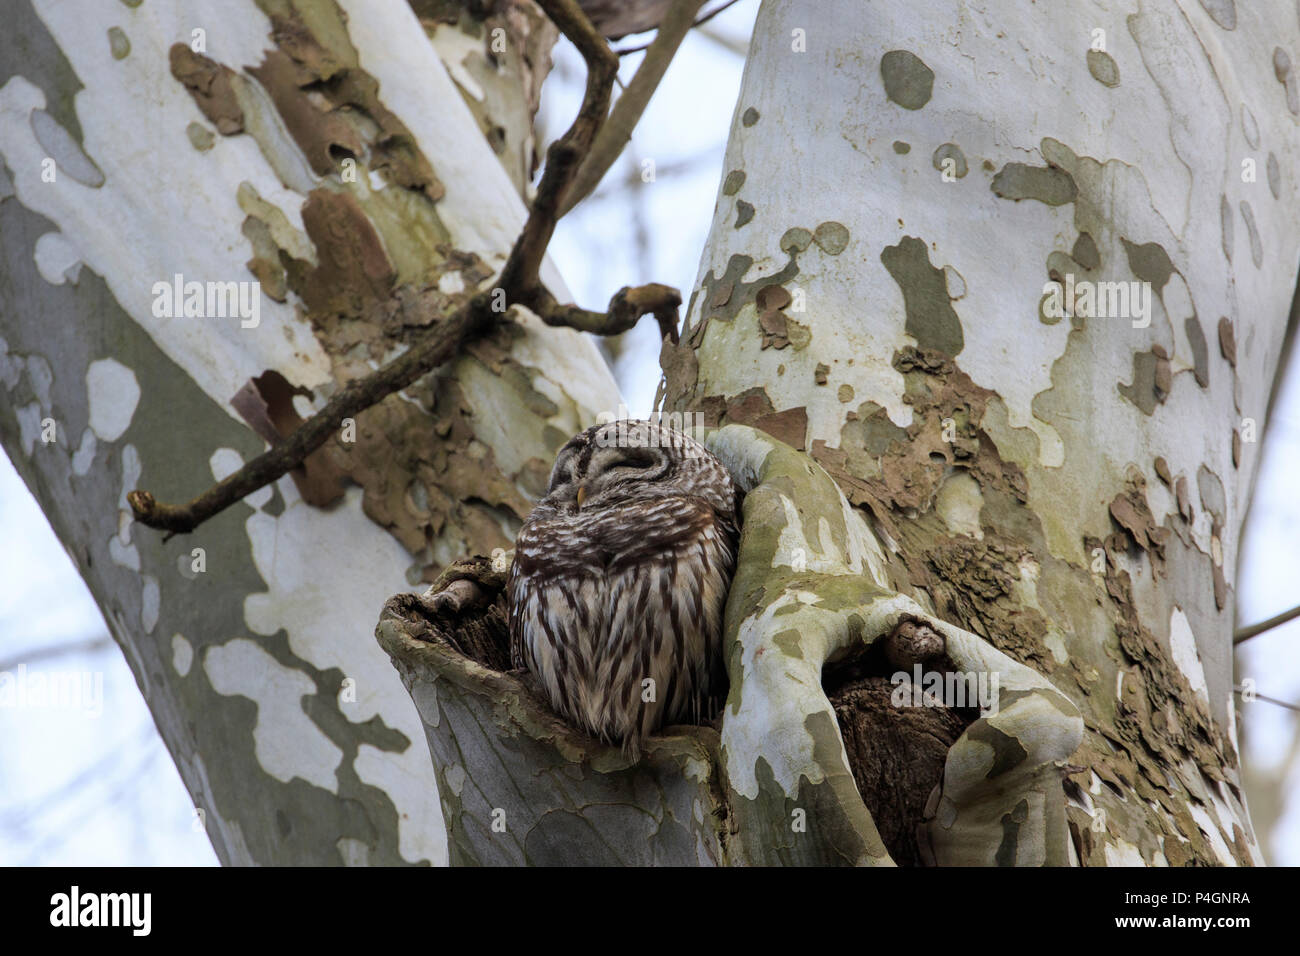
(336, 154)
(1015, 277)
(1047, 480)
(1070, 488)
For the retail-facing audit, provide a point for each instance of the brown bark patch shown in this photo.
(1227, 341)
(354, 273)
(1131, 512)
(211, 85)
(320, 134)
(266, 403)
(329, 104)
(753, 407)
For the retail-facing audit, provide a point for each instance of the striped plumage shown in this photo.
(620, 576)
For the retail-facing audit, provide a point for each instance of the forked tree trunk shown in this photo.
(1058, 498)
(323, 150)
(1056, 487)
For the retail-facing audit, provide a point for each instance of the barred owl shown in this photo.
(619, 580)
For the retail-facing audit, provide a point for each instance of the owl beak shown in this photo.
(582, 494)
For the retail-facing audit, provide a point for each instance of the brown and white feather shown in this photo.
(621, 575)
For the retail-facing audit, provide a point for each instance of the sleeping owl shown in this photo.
(620, 578)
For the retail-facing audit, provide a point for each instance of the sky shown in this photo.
(89, 782)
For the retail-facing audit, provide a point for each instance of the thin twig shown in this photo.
(566, 154)
(518, 280)
(736, 46)
(617, 130)
(38, 654)
(624, 51)
(1246, 633)
(1268, 700)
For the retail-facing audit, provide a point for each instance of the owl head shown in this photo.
(628, 460)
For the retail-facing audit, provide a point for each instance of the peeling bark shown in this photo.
(1069, 491)
(776, 770)
(322, 150)
(897, 192)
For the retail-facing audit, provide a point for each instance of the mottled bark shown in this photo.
(322, 150)
(1070, 489)
(1057, 492)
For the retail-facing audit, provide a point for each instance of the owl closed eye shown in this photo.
(620, 579)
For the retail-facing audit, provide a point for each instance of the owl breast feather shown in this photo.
(619, 613)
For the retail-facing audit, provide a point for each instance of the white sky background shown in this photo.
(76, 789)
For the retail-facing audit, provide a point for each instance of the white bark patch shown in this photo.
(29, 426)
(773, 710)
(352, 851)
(1182, 645)
(182, 654)
(120, 548)
(406, 773)
(451, 283)
(959, 502)
(1122, 853)
(150, 603)
(124, 555)
(11, 366)
(1211, 831)
(84, 456)
(126, 227)
(303, 598)
(955, 282)
(113, 393)
(41, 377)
(455, 47)
(130, 481)
(286, 742)
(56, 259)
(795, 549)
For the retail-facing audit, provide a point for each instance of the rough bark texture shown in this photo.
(535, 806)
(1057, 498)
(1057, 495)
(1070, 489)
(806, 593)
(321, 149)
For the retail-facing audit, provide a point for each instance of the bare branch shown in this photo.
(1240, 692)
(624, 51)
(442, 342)
(86, 646)
(617, 130)
(519, 281)
(1246, 633)
(519, 277)
(625, 308)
